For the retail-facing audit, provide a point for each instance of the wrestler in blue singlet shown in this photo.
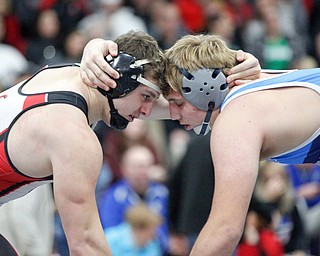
(308, 151)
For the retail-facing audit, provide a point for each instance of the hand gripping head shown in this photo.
(125, 84)
(131, 75)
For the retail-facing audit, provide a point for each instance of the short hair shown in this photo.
(140, 216)
(143, 46)
(193, 52)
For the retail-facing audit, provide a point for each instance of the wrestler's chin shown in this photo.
(188, 127)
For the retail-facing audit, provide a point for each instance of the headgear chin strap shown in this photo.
(131, 71)
(205, 89)
(117, 121)
(205, 127)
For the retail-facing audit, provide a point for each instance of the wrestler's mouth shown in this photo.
(132, 117)
(187, 126)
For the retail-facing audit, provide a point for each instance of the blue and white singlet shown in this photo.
(308, 151)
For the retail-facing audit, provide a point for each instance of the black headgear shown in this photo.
(131, 71)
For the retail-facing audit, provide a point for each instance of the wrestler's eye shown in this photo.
(146, 97)
(176, 103)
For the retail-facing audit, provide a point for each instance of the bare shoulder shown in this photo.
(76, 152)
(240, 130)
(280, 118)
(237, 132)
(57, 132)
(75, 138)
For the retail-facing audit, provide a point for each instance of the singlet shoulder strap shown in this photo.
(68, 97)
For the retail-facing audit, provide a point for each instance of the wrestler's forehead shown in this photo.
(153, 93)
(173, 95)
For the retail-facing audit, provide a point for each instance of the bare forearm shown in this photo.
(86, 237)
(217, 242)
(81, 224)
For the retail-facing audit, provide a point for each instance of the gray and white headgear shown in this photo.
(205, 89)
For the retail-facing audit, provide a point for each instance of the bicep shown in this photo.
(76, 167)
(235, 153)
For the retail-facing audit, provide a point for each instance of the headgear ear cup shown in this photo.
(205, 85)
(125, 83)
(205, 89)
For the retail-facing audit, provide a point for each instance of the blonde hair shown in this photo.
(141, 217)
(193, 52)
(285, 202)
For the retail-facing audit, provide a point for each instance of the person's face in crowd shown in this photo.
(180, 109)
(48, 24)
(137, 103)
(136, 130)
(144, 235)
(136, 166)
(274, 180)
(74, 44)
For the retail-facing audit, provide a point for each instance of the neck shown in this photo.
(98, 107)
(214, 116)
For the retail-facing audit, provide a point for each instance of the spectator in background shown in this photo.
(46, 47)
(240, 12)
(144, 132)
(73, 46)
(313, 8)
(192, 14)
(28, 222)
(306, 181)
(293, 20)
(167, 25)
(222, 24)
(136, 235)
(316, 49)
(70, 12)
(191, 186)
(26, 12)
(12, 35)
(12, 62)
(144, 9)
(305, 62)
(292, 16)
(137, 163)
(314, 29)
(111, 20)
(274, 187)
(178, 140)
(259, 237)
(274, 47)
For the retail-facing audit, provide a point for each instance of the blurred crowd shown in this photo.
(157, 180)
